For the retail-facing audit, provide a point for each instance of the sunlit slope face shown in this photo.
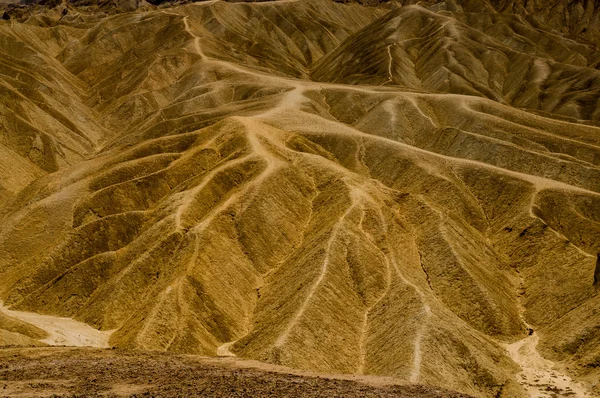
(222, 197)
(487, 54)
(577, 20)
(45, 123)
(71, 82)
(14, 332)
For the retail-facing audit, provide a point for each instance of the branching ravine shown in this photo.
(207, 178)
(365, 323)
(225, 349)
(324, 268)
(202, 226)
(426, 309)
(415, 374)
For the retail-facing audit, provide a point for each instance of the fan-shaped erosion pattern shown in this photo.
(375, 189)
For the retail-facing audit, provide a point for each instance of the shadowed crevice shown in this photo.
(597, 271)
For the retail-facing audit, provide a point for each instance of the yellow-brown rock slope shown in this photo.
(391, 190)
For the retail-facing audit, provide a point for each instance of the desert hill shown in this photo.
(399, 190)
(494, 55)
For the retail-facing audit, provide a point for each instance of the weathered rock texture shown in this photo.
(334, 187)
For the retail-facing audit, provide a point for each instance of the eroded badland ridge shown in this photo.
(402, 190)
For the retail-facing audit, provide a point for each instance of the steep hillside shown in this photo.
(14, 332)
(498, 56)
(426, 208)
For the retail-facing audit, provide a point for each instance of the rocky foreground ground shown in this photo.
(45, 372)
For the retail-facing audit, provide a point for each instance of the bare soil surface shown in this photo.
(62, 331)
(79, 372)
(539, 376)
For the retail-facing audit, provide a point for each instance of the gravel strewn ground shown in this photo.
(71, 372)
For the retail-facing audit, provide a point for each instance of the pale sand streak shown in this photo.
(391, 60)
(539, 374)
(282, 339)
(365, 323)
(62, 331)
